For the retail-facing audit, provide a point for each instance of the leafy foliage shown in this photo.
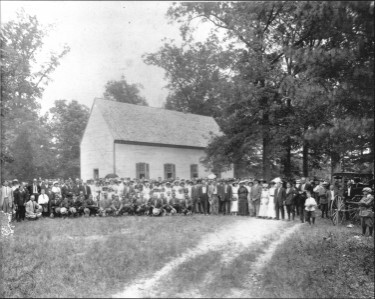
(122, 91)
(67, 126)
(22, 84)
(296, 78)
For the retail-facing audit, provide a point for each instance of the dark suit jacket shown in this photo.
(30, 189)
(195, 192)
(77, 189)
(308, 187)
(66, 189)
(20, 198)
(280, 196)
(203, 196)
(224, 196)
(290, 198)
(88, 189)
(256, 192)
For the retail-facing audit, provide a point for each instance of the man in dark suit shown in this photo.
(34, 189)
(78, 187)
(203, 195)
(224, 193)
(195, 196)
(86, 190)
(20, 198)
(280, 197)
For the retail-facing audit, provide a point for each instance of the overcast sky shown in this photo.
(107, 39)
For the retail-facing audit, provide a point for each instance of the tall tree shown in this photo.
(22, 79)
(67, 124)
(122, 91)
(196, 73)
(292, 65)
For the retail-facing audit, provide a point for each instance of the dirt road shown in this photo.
(230, 241)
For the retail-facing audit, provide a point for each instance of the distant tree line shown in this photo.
(32, 144)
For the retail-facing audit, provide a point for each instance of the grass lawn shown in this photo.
(309, 266)
(95, 257)
(208, 276)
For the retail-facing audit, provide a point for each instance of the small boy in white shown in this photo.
(310, 206)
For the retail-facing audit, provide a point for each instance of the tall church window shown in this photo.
(142, 170)
(194, 171)
(169, 171)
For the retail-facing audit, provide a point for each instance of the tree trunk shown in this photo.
(335, 163)
(288, 159)
(305, 158)
(265, 157)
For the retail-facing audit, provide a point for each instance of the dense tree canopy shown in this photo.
(67, 125)
(22, 84)
(122, 91)
(299, 81)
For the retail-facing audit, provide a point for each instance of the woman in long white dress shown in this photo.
(271, 212)
(234, 199)
(264, 198)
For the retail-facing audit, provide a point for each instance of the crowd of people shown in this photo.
(276, 199)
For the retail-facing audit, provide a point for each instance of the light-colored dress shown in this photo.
(263, 209)
(271, 212)
(234, 202)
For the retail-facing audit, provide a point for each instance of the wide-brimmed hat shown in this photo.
(367, 189)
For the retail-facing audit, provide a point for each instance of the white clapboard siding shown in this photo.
(120, 135)
(96, 146)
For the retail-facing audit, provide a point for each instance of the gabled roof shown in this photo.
(134, 123)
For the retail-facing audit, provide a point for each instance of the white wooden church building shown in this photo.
(139, 141)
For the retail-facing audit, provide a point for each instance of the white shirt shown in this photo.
(35, 188)
(7, 191)
(43, 199)
(349, 189)
(146, 193)
(310, 201)
(204, 189)
(56, 189)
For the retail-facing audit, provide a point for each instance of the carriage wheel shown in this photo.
(353, 214)
(337, 207)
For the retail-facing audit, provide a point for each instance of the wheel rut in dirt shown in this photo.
(230, 241)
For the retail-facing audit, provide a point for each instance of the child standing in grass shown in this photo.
(310, 206)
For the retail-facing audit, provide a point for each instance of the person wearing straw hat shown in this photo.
(366, 212)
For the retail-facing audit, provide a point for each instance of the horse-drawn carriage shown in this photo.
(343, 208)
